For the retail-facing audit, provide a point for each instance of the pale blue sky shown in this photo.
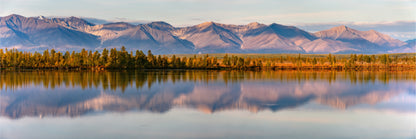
(191, 12)
(183, 12)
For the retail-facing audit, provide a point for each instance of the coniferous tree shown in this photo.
(104, 58)
(12, 58)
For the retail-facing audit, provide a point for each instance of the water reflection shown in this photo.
(55, 93)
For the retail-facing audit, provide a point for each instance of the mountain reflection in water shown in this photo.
(57, 93)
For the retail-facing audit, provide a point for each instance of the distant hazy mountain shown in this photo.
(72, 33)
(351, 40)
(410, 47)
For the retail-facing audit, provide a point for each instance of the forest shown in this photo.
(11, 59)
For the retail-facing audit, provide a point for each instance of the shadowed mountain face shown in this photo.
(21, 32)
(156, 36)
(208, 36)
(78, 93)
(32, 33)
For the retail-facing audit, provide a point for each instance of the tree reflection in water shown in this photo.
(58, 93)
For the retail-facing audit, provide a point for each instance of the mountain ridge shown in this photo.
(30, 33)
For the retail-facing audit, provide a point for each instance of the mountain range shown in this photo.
(72, 33)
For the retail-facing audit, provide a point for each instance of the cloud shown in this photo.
(96, 20)
(118, 19)
(293, 17)
(404, 36)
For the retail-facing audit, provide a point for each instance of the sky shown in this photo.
(309, 14)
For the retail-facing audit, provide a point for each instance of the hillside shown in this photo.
(72, 33)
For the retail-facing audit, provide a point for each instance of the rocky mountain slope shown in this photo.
(72, 33)
(33, 32)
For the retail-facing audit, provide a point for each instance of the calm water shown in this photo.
(207, 104)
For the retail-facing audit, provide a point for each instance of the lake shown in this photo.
(207, 104)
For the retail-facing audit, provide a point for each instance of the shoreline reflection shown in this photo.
(54, 93)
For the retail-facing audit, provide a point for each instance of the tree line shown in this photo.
(122, 59)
